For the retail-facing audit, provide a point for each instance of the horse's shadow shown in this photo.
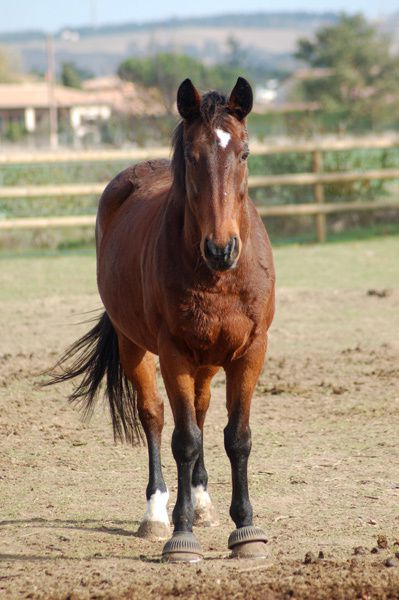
(82, 525)
(86, 525)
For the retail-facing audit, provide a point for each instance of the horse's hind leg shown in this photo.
(139, 367)
(204, 512)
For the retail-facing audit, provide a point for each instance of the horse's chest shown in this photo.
(216, 329)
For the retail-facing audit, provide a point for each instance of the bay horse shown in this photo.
(185, 271)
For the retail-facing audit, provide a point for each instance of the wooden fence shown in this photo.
(317, 179)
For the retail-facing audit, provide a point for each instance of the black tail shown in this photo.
(96, 356)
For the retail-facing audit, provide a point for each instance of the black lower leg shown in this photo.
(237, 441)
(200, 476)
(155, 477)
(186, 446)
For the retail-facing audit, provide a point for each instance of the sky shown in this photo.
(51, 15)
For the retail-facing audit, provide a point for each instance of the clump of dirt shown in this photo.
(382, 541)
(384, 293)
(390, 562)
(309, 559)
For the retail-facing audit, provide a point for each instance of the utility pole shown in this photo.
(52, 104)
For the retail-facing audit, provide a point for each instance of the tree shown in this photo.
(164, 71)
(72, 76)
(236, 55)
(362, 77)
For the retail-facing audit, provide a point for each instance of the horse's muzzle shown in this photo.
(220, 258)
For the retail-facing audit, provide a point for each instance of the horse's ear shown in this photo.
(188, 100)
(241, 99)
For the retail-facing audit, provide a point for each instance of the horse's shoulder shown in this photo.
(139, 180)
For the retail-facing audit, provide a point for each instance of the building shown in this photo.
(28, 104)
(26, 107)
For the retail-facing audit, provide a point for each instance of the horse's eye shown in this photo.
(189, 156)
(244, 155)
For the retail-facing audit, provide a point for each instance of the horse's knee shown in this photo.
(151, 413)
(186, 444)
(237, 442)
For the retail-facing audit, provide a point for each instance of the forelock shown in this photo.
(213, 107)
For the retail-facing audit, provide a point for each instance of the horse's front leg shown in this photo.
(241, 378)
(204, 511)
(179, 376)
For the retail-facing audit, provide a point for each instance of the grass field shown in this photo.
(361, 264)
(323, 471)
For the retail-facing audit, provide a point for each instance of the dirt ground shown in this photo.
(324, 469)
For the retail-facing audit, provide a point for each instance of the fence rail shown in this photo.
(317, 179)
(287, 210)
(136, 154)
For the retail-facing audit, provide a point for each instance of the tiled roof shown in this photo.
(36, 95)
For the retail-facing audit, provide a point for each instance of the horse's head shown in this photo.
(213, 144)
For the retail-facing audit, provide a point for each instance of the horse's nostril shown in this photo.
(232, 247)
(221, 254)
(211, 250)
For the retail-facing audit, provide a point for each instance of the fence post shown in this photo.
(318, 191)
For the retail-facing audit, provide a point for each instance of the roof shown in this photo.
(106, 82)
(308, 74)
(36, 95)
(124, 96)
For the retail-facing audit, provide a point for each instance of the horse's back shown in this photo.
(139, 181)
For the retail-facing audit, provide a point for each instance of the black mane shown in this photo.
(213, 108)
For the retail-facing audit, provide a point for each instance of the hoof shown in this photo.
(248, 542)
(207, 517)
(183, 546)
(153, 530)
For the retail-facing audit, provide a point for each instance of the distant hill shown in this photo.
(14, 37)
(269, 40)
(257, 20)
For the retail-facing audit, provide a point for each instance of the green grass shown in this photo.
(35, 276)
(351, 234)
(357, 264)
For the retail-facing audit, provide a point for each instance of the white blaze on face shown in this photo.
(200, 498)
(223, 137)
(157, 508)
